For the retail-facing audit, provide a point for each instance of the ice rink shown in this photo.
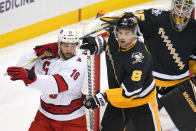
(18, 104)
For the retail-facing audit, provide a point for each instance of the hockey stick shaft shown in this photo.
(92, 115)
(90, 90)
(34, 59)
(93, 32)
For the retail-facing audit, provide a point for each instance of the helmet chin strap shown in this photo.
(130, 45)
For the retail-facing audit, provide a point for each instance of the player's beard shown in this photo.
(67, 56)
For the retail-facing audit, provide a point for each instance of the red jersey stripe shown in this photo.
(63, 109)
(62, 85)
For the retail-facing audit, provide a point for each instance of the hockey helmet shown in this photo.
(128, 21)
(68, 36)
(181, 13)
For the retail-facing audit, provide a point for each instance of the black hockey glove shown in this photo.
(96, 45)
(96, 101)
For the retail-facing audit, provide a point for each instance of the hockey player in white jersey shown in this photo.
(60, 78)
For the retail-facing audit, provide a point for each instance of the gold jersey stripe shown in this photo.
(169, 83)
(154, 107)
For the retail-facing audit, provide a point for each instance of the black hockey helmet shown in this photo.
(127, 21)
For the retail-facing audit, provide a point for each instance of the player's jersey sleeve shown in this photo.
(147, 20)
(63, 77)
(26, 58)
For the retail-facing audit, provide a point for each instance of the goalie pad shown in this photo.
(180, 103)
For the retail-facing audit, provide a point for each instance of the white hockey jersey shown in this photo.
(60, 82)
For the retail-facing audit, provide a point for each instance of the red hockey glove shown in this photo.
(19, 73)
(96, 101)
(51, 47)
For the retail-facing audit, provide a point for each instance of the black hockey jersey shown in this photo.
(130, 69)
(171, 50)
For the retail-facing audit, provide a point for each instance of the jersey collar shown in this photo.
(124, 50)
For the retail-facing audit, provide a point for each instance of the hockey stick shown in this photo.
(90, 90)
(34, 59)
(93, 115)
(93, 32)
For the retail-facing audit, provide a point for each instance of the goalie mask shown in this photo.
(181, 13)
(126, 30)
(68, 40)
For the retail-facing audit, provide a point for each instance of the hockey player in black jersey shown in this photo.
(131, 98)
(170, 36)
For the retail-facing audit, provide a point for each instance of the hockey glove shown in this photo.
(96, 45)
(96, 101)
(51, 47)
(19, 73)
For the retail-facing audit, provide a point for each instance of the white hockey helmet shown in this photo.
(68, 36)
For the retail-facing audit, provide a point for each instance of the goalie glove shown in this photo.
(19, 73)
(96, 45)
(96, 101)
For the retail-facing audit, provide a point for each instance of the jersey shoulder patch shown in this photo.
(156, 12)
